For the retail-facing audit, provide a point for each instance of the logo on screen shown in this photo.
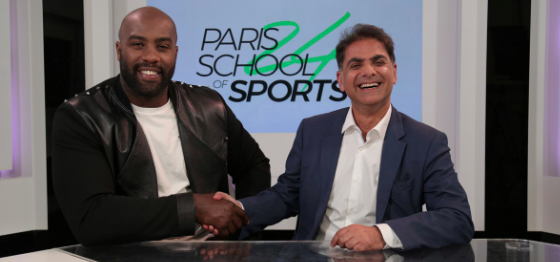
(295, 71)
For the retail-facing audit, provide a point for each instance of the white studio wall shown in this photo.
(5, 89)
(102, 20)
(544, 119)
(454, 88)
(453, 83)
(23, 196)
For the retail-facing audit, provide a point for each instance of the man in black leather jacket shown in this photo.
(104, 174)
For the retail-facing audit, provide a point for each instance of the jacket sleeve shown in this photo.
(86, 189)
(447, 220)
(280, 201)
(247, 164)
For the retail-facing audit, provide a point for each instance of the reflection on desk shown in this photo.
(480, 250)
(259, 251)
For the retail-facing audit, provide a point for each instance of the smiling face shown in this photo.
(147, 53)
(367, 75)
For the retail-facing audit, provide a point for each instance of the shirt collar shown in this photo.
(381, 127)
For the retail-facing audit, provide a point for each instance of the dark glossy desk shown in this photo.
(510, 250)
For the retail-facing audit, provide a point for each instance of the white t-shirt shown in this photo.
(161, 130)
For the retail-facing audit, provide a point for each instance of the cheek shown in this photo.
(170, 60)
(349, 78)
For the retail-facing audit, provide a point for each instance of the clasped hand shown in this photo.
(223, 216)
(220, 196)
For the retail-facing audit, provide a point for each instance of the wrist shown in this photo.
(380, 234)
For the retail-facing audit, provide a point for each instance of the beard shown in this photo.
(149, 89)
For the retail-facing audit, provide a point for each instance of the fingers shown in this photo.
(359, 247)
(207, 228)
(334, 241)
(237, 219)
(219, 217)
(350, 243)
(359, 238)
(227, 230)
(237, 222)
(224, 232)
(219, 195)
(231, 228)
(241, 214)
(210, 229)
(213, 230)
(343, 238)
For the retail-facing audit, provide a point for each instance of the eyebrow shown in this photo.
(377, 57)
(354, 59)
(137, 37)
(160, 39)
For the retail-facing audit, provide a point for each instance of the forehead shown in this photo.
(365, 48)
(152, 27)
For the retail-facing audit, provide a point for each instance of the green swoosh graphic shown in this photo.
(324, 60)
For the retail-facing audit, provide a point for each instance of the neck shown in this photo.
(368, 118)
(141, 101)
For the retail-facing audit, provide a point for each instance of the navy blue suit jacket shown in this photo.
(416, 168)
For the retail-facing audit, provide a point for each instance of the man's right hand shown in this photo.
(219, 196)
(223, 215)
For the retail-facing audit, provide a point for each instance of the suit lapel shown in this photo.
(330, 150)
(391, 157)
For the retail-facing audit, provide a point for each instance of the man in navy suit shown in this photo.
(359, 176)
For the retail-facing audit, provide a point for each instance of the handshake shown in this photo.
(219, 213)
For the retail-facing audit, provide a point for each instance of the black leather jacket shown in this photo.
(104, 176)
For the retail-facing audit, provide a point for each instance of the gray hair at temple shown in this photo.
(363, 31)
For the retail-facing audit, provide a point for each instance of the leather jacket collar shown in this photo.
(202, 122)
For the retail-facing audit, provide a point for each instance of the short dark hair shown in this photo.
(363, 31)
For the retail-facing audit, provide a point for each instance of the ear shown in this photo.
(118, 47)
(339, 79)
(394, 74)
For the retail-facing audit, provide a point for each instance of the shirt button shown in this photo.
(355, 179)
(361, 149)
(351, 209)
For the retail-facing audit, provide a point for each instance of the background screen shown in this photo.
(293, 45)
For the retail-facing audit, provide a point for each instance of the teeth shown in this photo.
(369, 85)
(150, 73)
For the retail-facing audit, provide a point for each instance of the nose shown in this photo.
(368, 70)
(150, 55)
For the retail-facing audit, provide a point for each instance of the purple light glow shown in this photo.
(552, 91)
(16, 134)
(551, 253)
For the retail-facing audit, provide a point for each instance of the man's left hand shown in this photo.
(359, 238)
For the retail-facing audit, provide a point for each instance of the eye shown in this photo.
(164, 47)
(354, 66)
(380, 62)
(137, 44)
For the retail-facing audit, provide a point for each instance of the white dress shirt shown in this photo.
(353, 196)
